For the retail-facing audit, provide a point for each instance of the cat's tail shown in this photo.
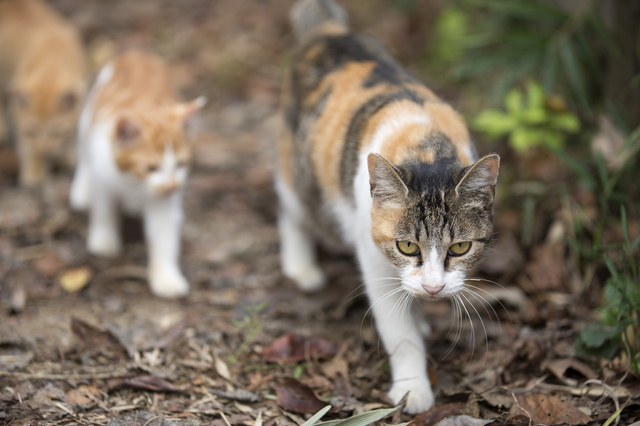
(313, 17)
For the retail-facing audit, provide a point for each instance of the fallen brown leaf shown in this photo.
(437, 414)
(293, 347)
(549, 410)
(148, 383)
(299, 398)
(76, 397)
(559, 368)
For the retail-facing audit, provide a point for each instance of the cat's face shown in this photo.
(45, 117)
(154, 146)
(435, 235)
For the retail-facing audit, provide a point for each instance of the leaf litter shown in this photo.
(82, 341)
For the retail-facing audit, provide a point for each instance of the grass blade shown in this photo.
(362, 419)
(317, 416)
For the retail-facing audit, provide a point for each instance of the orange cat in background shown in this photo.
(134, 153)
(42, 69)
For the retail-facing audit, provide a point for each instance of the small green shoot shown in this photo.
(250, 325)
(527, 120)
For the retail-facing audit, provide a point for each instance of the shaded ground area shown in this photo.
(113, 354)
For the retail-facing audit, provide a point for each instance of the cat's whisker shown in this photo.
(457, 321)
(486, 336)
(472, 337)
(484, 302)
(373, 305)
(489, 293)
(365, 291)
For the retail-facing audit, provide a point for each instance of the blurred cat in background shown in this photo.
(42, 74)
(371, 158)
(134, 154)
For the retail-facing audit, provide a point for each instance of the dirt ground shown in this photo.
(111, 353)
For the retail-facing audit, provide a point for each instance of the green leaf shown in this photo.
(494, 122)
(361, 419)
(514, 101)
(534, 115)
(535, 95)
(312, 421)
(574, 73)
(550, 67)
(607, 351)
(625, 225)
(523, 138)
(565, 121)
(595, 335)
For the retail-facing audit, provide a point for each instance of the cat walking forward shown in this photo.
(371, 158)
(42, 71)
(134, 154)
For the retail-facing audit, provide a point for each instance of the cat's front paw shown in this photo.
(420, 395)
(103, 242)
(309, 279)
(168, 283)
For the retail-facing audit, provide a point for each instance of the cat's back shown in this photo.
(345, 95)
(136, 81)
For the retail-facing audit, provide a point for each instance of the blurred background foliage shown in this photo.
(554, 87)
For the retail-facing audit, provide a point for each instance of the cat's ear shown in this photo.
(479, 180)
(184, 112)
(126, 133)
(386, 183)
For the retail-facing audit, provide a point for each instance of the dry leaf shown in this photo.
(299, 398)
(75, 279)
(549, 409)
(149, 383)
(463, 421)
(76, 397)
(437, 414)
(293, 347)
(560, 366)
(222, 369)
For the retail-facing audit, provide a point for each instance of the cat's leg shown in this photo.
(400, 335)
(297, 245)
(80, 194)
(162, 224)
(104, 224)
(33, 166)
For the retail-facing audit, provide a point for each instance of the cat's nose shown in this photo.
(433, 290)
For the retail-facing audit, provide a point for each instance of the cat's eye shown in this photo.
(408, 248)
(458, 249)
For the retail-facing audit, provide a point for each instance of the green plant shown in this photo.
(512, 39)
(528, 120)
(250, 325)
(619, 323)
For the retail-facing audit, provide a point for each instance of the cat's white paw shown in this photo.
(104, 242)
(309, 279)
(168, 283)
(80, 197)
(420, 395)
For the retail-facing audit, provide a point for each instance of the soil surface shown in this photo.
(111, 353)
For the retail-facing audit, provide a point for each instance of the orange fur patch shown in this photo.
(140, 91)
(42, 66)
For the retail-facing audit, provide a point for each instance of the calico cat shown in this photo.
(370, 157)
(42, 69)
(134, 153)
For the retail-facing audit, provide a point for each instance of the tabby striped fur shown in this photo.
(371, 158)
